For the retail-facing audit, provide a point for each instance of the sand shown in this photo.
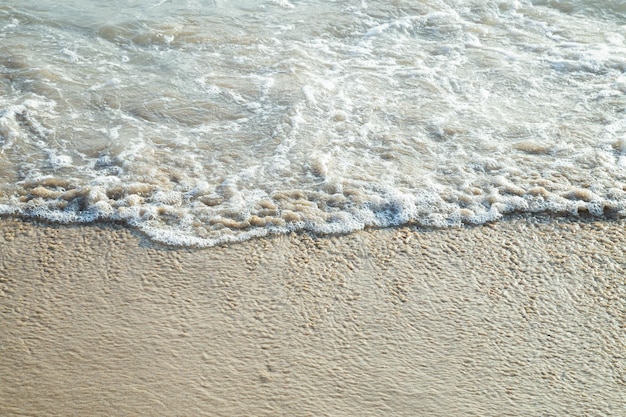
(517, 318)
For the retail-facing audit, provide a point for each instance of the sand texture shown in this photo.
(517, 318)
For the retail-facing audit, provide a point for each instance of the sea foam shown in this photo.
(208, 124)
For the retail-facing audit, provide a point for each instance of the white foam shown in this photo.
(285, 4)
(60, 161)
(257, 120)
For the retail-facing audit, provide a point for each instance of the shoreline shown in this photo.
(515, 317)
(540, 218)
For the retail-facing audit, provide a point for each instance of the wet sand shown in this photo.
(516, 318)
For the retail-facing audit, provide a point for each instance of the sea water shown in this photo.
(200, 122)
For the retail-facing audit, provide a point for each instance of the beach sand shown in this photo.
(517, 318)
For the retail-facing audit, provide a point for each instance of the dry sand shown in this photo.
(517, 318)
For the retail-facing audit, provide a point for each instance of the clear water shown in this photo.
(201, 122)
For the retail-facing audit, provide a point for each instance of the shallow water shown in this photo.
(201, 122)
